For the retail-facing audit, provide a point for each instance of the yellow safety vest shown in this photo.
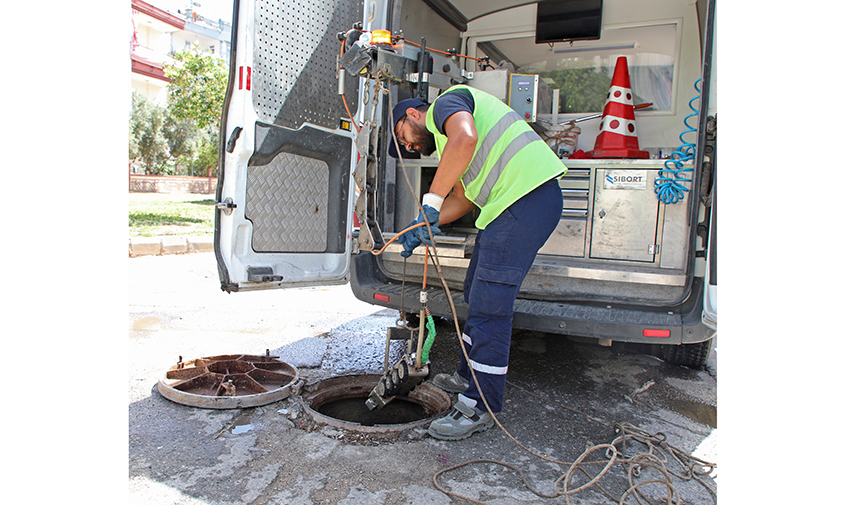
(510, 158)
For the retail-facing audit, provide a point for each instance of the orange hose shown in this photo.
(419, 45)
(442, 52)
(377, 253)
(345, 106)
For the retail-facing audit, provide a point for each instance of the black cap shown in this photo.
(398, 113)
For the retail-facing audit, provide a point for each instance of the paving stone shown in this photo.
(174, 245)
(144, 246)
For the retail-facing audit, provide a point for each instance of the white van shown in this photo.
(305, 198)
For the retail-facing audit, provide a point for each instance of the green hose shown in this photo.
(428, 341)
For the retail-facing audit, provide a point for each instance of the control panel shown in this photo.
(529, 95)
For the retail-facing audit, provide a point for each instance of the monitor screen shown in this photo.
(562, 20)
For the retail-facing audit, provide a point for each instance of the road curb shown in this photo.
(160, 246)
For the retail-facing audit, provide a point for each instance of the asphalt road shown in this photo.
(564, 397)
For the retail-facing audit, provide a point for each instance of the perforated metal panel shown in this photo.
(287, 200)
(295, 61)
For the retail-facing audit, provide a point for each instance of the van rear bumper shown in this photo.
(619, 323)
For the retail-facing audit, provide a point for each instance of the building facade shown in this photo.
(156, 35)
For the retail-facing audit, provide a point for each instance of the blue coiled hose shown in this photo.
(667, 185)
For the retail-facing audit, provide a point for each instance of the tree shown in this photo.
(185, 134)
(207, 156)
(182, 136)
(159, 139)
(146, 134)
(582, 89)
(197, 87)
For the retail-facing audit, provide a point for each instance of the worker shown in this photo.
(489, 158)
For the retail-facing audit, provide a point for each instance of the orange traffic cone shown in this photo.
(617, 137)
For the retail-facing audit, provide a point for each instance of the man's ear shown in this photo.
(413, 113)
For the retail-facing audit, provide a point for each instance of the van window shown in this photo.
(582, 70)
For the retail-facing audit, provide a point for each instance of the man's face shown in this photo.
(414, 136)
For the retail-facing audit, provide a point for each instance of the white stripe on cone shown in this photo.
(620, 95)
(618, 125)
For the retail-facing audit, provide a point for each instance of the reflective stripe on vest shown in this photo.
(493, 135)
(520, 141)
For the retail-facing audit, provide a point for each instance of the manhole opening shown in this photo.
(340, 401)
(398, 411)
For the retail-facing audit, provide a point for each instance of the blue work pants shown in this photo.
(503, 254)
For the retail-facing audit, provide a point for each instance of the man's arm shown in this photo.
(455, 206)
(438, 205)
(462, 140)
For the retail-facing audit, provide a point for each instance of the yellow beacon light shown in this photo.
(380, 37)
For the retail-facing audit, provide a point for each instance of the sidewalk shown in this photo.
(158, 246)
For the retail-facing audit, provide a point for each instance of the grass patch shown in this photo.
(136, 219)
(157, 214)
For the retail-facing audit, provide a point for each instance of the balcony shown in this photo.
(155, 18)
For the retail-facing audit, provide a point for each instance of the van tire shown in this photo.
(689, 355)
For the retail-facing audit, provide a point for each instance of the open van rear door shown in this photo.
(709, 312)
(285, 191)
(709, 104)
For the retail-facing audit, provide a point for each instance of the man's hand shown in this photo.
(413, 238)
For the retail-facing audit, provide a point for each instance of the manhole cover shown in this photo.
(339, 402)
(228, 382)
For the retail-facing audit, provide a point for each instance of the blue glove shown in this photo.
(433, 218)
(413, 238)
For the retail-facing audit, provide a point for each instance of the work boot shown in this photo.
(460, 423)
(451, 383)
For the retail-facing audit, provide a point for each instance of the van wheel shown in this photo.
(690, 355)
